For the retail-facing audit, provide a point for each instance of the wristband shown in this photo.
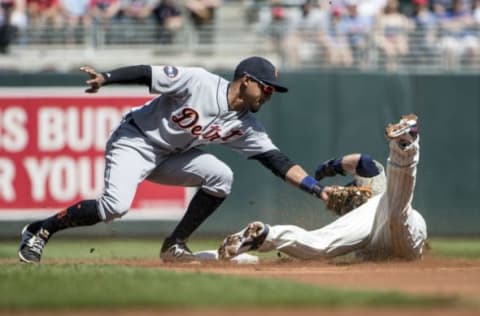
(310, 185)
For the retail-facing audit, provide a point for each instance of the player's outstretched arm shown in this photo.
(140, 74)
(297, 176)
(289, 171)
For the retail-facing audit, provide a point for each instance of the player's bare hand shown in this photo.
(95, 80)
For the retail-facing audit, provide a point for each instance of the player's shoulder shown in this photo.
(201, 75)
(173, 71)
(249, 120)
(200, 71)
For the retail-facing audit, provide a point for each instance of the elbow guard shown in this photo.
(366, 167)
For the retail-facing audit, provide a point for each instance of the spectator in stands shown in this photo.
(43, 13)
(476, 15)
(337, 49)
(357, 29)
(76, 15)
(426, 30)
(459, 41)
(392, 34)
(276, 24)
(132, 16)
(251, 9)
(103, 11)
(370, 8)
(202, 14)
(6, 9)
(19, 21)
(309, 28)
(137, 10)
(440, 7)
(169, 20)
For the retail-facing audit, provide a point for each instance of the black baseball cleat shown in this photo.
(249, 238)
(176, 250)
(32, 245)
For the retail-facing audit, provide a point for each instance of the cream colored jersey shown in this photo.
(385, 226)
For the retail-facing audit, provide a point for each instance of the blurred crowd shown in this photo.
(345, 31)
(69, 15)
(342, 32)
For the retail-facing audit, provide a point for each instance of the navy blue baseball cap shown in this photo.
(259, 69)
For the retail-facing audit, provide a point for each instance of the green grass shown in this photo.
(456, 248)
(103, 286)
(103, 248)
(148, 248)
(76, 286)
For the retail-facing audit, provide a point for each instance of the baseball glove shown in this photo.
(343, 199)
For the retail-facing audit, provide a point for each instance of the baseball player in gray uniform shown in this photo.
(385, 226)
(159, 142)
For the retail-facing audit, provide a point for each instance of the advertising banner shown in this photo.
(52, 155)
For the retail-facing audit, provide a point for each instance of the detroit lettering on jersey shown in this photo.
(188, 119)
(192, 110)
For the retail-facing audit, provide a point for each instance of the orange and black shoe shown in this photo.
(32, 245)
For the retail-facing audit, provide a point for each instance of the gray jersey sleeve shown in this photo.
(170, 80)
(255, 140)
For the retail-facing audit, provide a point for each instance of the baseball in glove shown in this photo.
(343, 199)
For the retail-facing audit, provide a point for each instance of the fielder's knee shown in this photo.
(111, 207)
(219, 183)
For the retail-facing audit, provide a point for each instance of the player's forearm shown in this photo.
(140, 74)
(289, 171)
(300, 178)
(295, 175)
(355, 164)
(276, 162)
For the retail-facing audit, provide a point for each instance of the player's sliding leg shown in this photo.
(347, 233)
(407, 240)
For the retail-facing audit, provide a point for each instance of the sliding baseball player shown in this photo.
(384, 226)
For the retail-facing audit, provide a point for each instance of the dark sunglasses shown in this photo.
(265, 88)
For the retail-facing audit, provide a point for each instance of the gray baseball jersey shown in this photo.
(192, 110)
(158, 140)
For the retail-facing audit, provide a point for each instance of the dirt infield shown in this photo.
(431, 275)
(450, 277)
